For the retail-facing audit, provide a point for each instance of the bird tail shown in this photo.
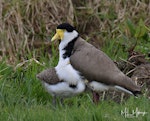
(134, 88)
(129, 86)
(136, 93)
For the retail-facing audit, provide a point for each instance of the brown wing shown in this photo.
(95, 65)
(49, 76)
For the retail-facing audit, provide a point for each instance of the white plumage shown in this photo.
(64, 90)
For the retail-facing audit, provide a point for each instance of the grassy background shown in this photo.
(23, 98)
(25, 30)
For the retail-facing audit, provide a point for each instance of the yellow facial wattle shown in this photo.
(59, 34)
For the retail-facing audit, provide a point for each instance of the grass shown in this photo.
(25, 28)
(22, 98)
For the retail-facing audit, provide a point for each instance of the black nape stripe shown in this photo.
(68, 49)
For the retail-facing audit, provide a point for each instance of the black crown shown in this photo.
(66, 26)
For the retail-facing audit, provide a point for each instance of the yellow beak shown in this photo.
(56, 36)
(59, 35)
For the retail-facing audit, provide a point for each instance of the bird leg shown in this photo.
(95, 97)
(54, 101)
(62, 101)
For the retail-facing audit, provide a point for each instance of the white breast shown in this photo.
(65, 71)
(63, 89)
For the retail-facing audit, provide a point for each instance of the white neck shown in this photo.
(68, 36)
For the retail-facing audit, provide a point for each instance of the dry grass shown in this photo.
(28, 24)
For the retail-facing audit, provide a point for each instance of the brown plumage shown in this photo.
(95, 65)
(49, 76)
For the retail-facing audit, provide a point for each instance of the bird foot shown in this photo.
(95, 97)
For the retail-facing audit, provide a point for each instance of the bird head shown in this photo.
(61, 30)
